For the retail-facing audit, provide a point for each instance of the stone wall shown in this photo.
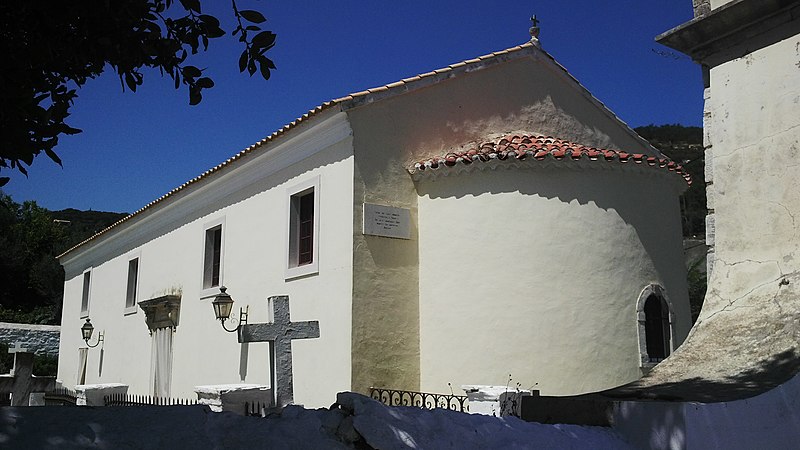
(40, 339)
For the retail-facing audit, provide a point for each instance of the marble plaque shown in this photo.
(387, 221)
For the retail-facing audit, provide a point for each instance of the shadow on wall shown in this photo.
(767, 374)
(646, 201)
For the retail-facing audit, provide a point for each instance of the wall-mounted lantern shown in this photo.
(223, 304)
(86, 331)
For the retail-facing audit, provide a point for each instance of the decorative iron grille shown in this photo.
(145, 400)
(394, 397)
(256, 409)
(60, 397)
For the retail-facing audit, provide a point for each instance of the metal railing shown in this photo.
(256, 409)
(394, 397)
(60, 397)
(145, 400)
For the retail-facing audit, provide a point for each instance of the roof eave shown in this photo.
(730, 25)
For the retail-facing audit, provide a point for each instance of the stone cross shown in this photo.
(21, 381)
(17, 349)
(280, 332)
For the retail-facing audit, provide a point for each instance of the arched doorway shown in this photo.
(655, 325)
(656, 328)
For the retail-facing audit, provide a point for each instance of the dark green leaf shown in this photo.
(66, 129)
(252, 16)
(209, 21)
(191, 72)
(193, 5)
(264, 67)
(193, 42)
(130, 81)
(205, 83)
(264, 39)
(251, 67)
(194, 96)
(243, 61)
(53, 156)
(211, 26)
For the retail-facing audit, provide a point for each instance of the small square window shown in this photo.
(133, 285)
(212, 266)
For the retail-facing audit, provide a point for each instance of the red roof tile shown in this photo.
(539, 148)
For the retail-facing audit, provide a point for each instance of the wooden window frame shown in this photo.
(86, 292)
(213, 269)
(302, 243)
(132, 285)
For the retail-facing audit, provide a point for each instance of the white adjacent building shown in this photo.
(485, 219)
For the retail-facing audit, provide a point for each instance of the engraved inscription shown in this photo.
(387, 221)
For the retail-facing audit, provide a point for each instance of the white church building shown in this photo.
(488, 218)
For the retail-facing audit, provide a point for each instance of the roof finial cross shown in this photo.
(534, 31)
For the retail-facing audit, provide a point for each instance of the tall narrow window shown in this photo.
(133, 280)
(657, 332)
(305, 229)
(212, 268)
(303, 243)
(83, 354)
(87, 283)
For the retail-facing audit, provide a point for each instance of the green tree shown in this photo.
(685, 146)
(52, 48)
(31, 279)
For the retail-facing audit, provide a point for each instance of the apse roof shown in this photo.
(538, 148)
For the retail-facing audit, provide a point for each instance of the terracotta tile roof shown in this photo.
(538, 148)
(348, 102)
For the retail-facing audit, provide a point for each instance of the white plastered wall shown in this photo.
(537, 272)
(718, 3)
(756, 146)
(254, 263)
(529, 94)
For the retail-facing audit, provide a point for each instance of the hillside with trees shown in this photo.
(31, 279)
(685, 146)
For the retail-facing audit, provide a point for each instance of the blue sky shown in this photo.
(137, 146)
